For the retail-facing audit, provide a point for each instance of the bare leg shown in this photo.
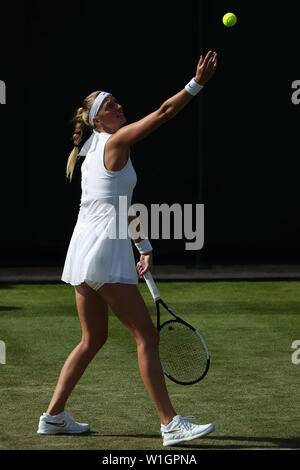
(128, 305)
(92, 311)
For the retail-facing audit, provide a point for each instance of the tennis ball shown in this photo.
(229, 19)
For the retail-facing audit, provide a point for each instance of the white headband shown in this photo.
(96, 106)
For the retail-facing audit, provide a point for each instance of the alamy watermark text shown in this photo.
(2, 352)
(161, 221)
(2, 92)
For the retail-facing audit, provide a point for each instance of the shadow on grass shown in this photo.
(3, 308)
(219, 442)
(99, 434)
(246, 443)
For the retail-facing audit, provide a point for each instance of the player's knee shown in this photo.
(150, 340)
(93, 345)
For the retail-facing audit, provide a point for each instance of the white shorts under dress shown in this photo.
(100, 249)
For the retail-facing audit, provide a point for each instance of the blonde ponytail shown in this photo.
(77, 136)
(72, 160)
(81, 120)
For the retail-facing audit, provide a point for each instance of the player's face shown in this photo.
(111, 116)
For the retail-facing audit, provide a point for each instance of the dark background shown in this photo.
(234, 148)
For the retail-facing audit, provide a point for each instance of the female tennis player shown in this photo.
(100, 260)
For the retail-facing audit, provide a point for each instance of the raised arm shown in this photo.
(132, 133)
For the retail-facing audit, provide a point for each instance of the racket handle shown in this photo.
(151, 285)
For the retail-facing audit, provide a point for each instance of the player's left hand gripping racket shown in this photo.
(183, 353)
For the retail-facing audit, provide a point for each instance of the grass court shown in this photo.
(251, 392)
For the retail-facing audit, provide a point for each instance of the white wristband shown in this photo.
(193, 87)
(144, 246)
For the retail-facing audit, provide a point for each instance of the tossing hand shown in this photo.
(206, 68)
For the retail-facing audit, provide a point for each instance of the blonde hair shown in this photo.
(81, 121)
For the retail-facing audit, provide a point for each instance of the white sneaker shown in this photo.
(180, 430)
(60, 424)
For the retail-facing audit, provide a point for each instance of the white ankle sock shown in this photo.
(53, 416)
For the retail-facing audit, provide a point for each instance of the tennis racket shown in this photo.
(183, 352)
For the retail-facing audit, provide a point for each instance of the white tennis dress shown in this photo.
(100, 249)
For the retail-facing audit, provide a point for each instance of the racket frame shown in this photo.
(158, 300)
(159, 326)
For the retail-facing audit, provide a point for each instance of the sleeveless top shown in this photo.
(100, 249)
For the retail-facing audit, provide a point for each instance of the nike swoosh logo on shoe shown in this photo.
(60, 425)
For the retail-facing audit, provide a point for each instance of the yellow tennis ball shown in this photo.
(229, 19)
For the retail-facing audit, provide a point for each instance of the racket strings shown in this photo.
(181, 351)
